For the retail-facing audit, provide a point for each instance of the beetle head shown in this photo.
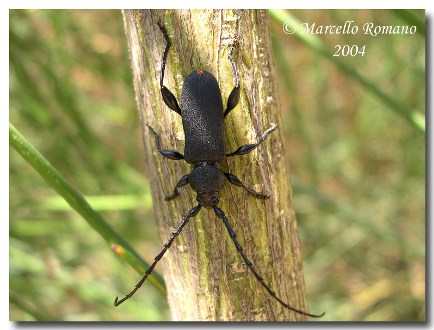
(208, 199)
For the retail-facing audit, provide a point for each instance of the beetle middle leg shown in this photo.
(171, 154)
(245, 149)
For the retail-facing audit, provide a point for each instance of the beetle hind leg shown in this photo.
(167, 95)
(234, 96)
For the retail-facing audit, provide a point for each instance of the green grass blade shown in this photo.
(79, 204)
(416, 119)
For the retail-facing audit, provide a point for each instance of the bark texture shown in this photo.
(205, 276)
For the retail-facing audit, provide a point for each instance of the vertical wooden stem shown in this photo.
(205, 276)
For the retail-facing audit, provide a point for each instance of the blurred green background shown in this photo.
(357, 164)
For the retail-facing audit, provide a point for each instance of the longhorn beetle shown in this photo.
(203, 122)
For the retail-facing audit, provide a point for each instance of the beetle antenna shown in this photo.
(249, 264)
(175, 233)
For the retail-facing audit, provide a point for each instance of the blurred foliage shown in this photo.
(358, 168)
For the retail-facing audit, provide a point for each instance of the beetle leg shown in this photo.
(233, 100)
(182, 182)
(234, 180)
(245, 149)
(167, 95)
(234, 96)
(170, 100)
(171, 154)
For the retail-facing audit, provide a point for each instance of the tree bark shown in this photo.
(205, 275)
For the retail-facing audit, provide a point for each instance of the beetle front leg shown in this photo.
(182, 182)
(234, 180)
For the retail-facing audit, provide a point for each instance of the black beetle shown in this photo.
(203, 122)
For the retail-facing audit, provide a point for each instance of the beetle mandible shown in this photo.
(203, 117)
